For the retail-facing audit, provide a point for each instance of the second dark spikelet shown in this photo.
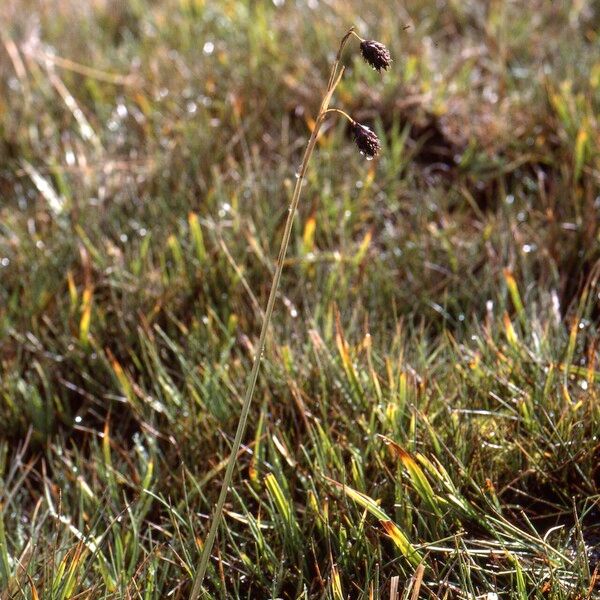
(376, 54)
(366, 140)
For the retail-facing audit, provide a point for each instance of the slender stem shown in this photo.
(353, 32)
(344, 40)
(210, 540)
(334, 79)
(339, 112)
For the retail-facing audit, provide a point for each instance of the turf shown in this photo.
(426, 423)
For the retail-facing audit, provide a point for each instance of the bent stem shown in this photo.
(334, 79)
(339, 112)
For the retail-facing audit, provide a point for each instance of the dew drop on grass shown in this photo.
(300, 178)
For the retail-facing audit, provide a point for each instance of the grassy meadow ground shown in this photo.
(427, 420)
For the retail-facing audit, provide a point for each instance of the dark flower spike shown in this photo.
(366, 140)
(376, 54)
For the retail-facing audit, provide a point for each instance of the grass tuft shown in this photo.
(426, 423)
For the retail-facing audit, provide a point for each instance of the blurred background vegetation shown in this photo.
(427, 418)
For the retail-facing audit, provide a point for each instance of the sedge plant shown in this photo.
(378, 56)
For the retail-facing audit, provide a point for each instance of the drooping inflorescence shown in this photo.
(376, 54)
(366, 140)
